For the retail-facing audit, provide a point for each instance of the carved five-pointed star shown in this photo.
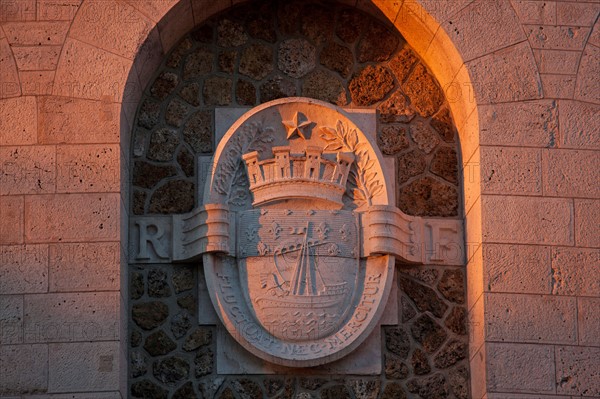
(295, 126)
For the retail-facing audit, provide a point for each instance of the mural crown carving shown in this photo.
(311, 174)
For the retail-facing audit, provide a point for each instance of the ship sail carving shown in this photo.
(306, 288)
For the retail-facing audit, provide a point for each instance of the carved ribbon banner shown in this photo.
(211, 229)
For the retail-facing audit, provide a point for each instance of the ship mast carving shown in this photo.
(307, 277)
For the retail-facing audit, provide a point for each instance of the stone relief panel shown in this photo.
(298, 289)
(245, 57)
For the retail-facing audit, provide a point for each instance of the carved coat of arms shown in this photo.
(298, 233)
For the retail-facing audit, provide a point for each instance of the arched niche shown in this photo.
(451, 78)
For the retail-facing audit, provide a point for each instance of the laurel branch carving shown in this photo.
(363, 182)
(230, 172)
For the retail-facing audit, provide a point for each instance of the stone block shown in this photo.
(531, 124)
(578, 14)
(527, 220)
(588, 77)
(84, 267)
(595, 36)
(57, 10)
(18, 121)
(296, 57)
(36, 33)
(175, 23)
(520, 368)
(371, 84)
(564, 62)
(11, 319)
(391, 310)
(438, 11)
(277, 87)
(80, 367)
(75, 317)
(217, 92)
(530, 318)
(88, 168)
(326, 87)
(577, 370)
(24, 368)
(77, 73)
(471, 174)
(72, 217)
(204, 9)
(74, 121)
(571, 173)
(111, 25)
(558, 86)
(520, 78)
(473, 225)
(587, 220)
(132, 96)
(153, 9)
(478, 373)
(461, 92)
(36, 58)
(408, 20)
(588, 315)
(511, 170)
(572, 271)
(149, 57)
(123, 345)
(124, 182)
(476, 327)
(577, 122)
(23, 269)
(12, 215)
(443, 57)
(27, 170)
(17, 10)
(556, 37)
(9, 76)
(474, 28)
(517, 268)
(36, 82)
(475, 278)
(425, 95)
(535, 12)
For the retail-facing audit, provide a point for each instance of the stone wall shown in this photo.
(171, 356)
(261, 52)
(257, 53)
(523, 85)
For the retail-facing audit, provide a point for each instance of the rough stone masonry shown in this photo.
(257, 53)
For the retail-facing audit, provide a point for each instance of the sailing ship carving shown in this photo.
(306, 288)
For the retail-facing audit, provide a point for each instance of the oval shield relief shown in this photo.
(296, 176)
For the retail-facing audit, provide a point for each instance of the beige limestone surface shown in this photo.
(495, 71)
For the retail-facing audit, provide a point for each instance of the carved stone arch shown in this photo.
(414, 120)
(479, 55)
